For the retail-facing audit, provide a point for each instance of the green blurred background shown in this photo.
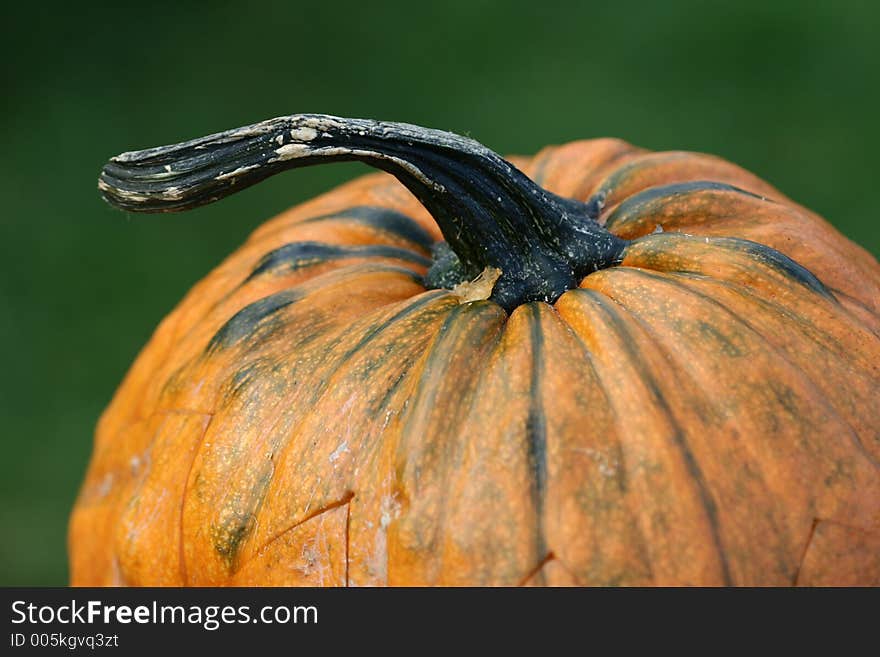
(787, 89)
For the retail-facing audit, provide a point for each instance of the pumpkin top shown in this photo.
(491, 214)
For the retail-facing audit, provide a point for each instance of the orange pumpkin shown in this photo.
(620, 367)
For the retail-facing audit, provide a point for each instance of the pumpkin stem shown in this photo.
(490, 213)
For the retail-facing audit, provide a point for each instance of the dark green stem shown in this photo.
(489, 212)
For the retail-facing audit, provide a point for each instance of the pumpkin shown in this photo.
(598, 366)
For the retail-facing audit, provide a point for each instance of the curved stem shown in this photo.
(489, 212)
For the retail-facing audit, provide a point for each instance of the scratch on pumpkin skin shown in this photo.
(344, 501)
(537, 569)
(812, 532)
(812, 535)
(183, 498)
(348, 541)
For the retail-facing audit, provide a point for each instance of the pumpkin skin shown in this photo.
(703, 413)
